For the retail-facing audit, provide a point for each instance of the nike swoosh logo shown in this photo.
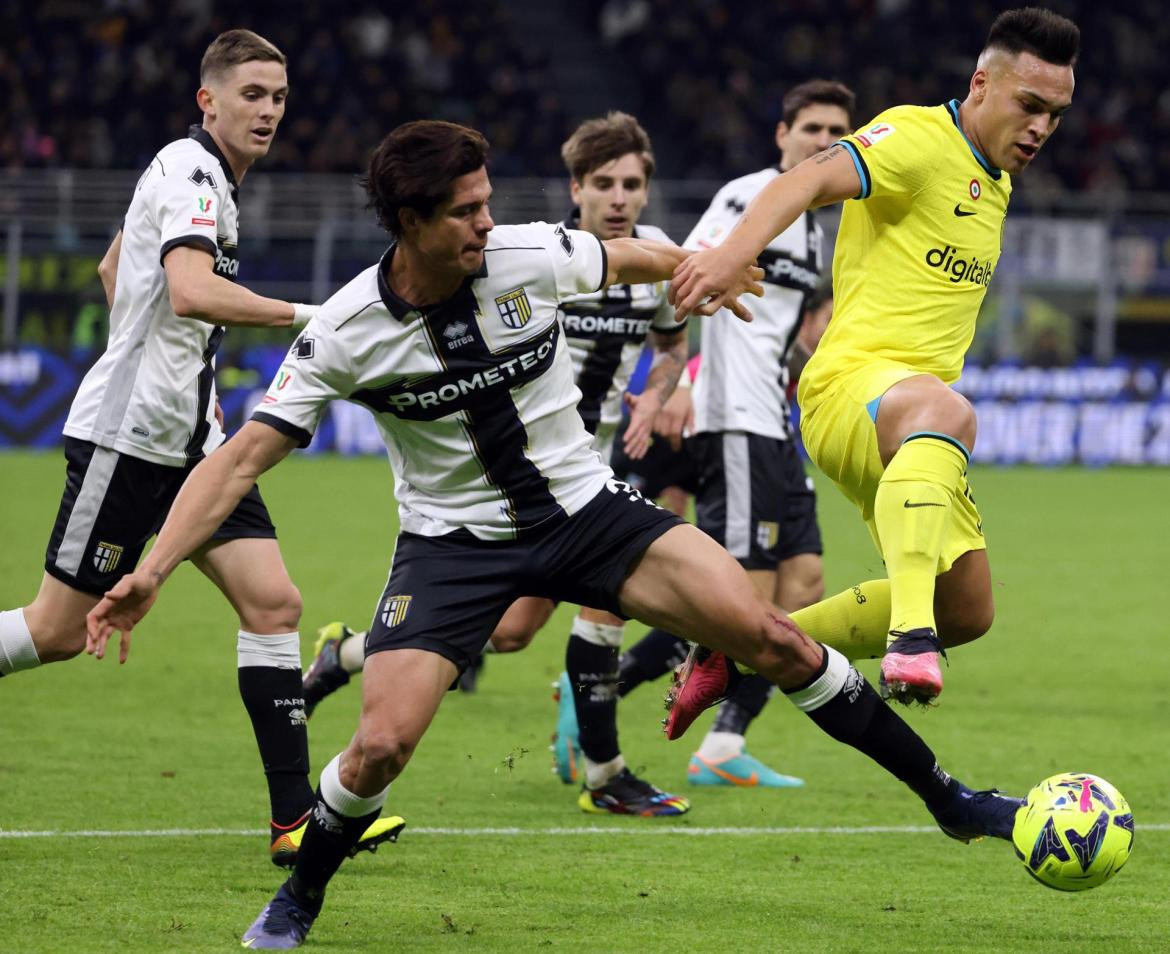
(908, 505)
(748, 782)
(959, 210)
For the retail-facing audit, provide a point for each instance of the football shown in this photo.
(1074, 832)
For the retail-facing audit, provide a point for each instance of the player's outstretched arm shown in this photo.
(669, 361)
(634, 261)
(197, 292)
(209, 494)
(705, 282)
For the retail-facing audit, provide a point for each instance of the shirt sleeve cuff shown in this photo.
(190, 241)
(298, 434)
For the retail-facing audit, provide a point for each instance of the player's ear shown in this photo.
(575, 190)
(408, 221)
(781, 134)
(205, 98)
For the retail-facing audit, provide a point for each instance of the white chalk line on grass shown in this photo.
(517, 832)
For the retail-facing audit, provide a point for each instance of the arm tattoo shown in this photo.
(665, 369)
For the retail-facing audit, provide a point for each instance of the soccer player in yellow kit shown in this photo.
(913, 260)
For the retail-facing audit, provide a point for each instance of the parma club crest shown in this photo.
(394, 610)
(515, 308)
(106, 557)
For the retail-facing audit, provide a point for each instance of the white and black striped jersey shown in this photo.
(744, 375)
(152, 393)
(474, 396)
(606, 331)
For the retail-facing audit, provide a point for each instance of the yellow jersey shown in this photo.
(916, 250)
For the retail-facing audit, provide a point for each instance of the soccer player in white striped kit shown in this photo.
(610, 162)
(499, 495)
(146, 414)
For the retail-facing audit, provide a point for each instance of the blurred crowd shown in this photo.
(721, 72)
(103, 84)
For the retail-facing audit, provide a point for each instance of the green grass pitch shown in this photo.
(1073, 677)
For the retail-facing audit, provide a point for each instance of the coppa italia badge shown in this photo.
(875, 133)
(203, 205)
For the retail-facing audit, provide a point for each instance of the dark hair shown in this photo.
(234, 47)
(814, 91)
(415, 166)
(1044, 34)
(598, 141)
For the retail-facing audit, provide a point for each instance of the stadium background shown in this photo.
(132, 808)
(1070, 362)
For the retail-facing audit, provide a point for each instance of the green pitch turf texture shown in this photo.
(1073, 677)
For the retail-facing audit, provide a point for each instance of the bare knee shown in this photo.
(383, 753)
(510, 637)
(56, 639)
(275, 609)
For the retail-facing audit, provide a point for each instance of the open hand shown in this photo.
(119, 611)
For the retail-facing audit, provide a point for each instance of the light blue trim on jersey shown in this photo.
(860, 166)
(872, 408)
(953, 109)
(946, 438)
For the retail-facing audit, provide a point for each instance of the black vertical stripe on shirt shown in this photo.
(491, 419)
(194, 448)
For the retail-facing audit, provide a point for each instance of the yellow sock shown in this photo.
(854, 623)
(912, 509)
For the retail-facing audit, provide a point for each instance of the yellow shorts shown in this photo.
(839, 433)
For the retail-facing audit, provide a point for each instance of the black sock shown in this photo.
(746, 702)
(654, 655)
(593, 674)
(327, 843)
(275, 702)
(856, 715)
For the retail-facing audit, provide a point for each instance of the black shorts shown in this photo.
(446, 594)
(113, 504)
(755, 498)
(662, 467)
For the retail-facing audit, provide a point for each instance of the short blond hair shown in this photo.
(233, 47)
(598, 141)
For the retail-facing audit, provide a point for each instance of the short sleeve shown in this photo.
(715, 224)
(896, 154)
(188, 206)
(314, 372)
(579, 260)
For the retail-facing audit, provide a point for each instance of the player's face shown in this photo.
(1023, 99)
(245, 106)
(612, 196)
(453, 238)
(813, 130)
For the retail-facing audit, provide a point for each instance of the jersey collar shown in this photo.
(205, 139)
(953, 109)
(400, 308)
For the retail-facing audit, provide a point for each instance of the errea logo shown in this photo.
(456, 335)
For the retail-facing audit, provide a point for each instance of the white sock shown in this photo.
(279, 651)
(718, 746)
(17, 650)
(599, 773)
(341, 800)
(353, 653)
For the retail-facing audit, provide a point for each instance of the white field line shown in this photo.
(513, 832)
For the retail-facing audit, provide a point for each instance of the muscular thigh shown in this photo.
(686, 583)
